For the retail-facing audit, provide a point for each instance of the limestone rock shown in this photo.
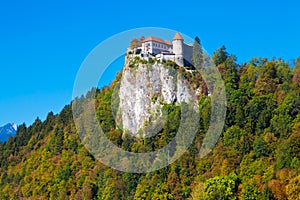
(143, 91)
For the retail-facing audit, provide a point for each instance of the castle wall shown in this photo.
(177, 47)
(155, 47)
(187, 52)
(178, 50)
(169, 57)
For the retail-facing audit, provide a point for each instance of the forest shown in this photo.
(256, 157)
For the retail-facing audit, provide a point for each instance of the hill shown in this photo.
(257, 156)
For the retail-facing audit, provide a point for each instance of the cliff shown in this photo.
(144, 89)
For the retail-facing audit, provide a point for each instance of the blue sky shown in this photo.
(43, 43)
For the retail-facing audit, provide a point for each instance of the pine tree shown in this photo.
(197, 57)
(220, 56)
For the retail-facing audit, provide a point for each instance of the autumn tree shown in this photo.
(293, 188)
(134, 43)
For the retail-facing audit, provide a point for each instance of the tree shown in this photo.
(232, 136)
(277, 189)
(161, 192)
(293, 188)
(227, 66)
(220, 56)
(297, 63)
(57, 141)
(174, 184)
(267, 80)
(197, 57)
(296, 76)
(221, 187)
(259, 147)
(281, 121)
(250, 190)
(283, 157)
(198, 191)
(134, 43)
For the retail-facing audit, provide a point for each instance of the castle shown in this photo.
(163, 50)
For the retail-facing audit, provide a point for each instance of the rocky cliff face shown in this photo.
(144, 88)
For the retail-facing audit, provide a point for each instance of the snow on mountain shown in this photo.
(14, 126)
(7, 130)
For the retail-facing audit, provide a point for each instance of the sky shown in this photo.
(43, 43)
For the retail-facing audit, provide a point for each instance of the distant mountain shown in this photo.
(8, 130)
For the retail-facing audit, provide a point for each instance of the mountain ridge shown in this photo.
(7, 130)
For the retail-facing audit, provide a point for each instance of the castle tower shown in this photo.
(178, 49)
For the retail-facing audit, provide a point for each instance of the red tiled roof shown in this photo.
(177, 36)
(151, 38)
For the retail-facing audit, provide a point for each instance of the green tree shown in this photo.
(57, 141)
(283, 157)
(197, 57)
(259, 147)
(220, 56)
(162, 193)
(222, 188)
(250, 190)
(267, 80)
(232, 136)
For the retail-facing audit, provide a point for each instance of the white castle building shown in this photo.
(163, 50)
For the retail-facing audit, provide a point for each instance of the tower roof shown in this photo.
(177, 36)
